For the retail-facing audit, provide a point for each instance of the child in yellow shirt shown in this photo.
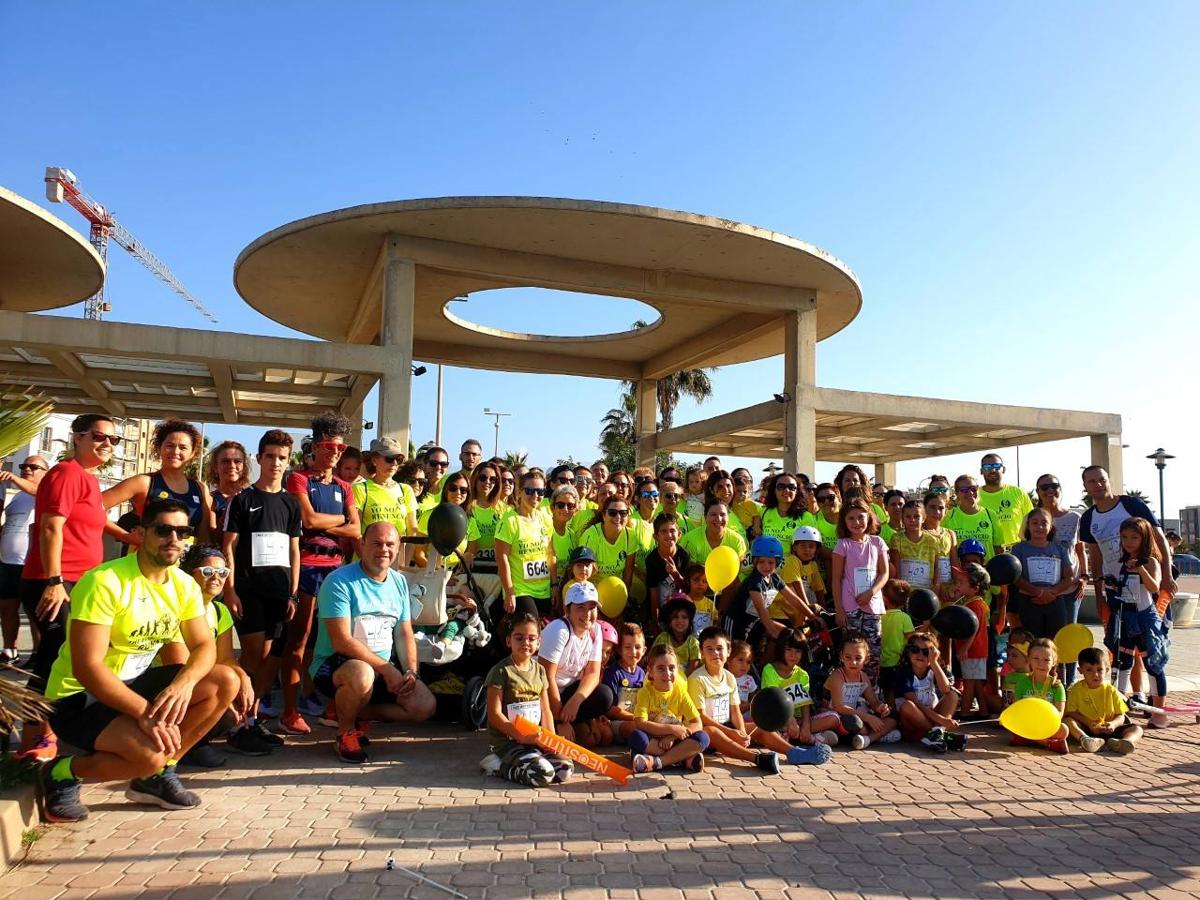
(668, 730)
(1096, 711)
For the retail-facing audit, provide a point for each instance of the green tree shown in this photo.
(618, 433)
(513, 459)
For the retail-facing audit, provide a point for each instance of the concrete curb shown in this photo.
(18, 813)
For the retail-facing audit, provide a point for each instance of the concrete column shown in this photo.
(395, 385)
(1106, 451)
(799, 383)
(885, 473)
(647, 419)
(355, 437)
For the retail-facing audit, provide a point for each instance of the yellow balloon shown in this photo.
(721, 568)
(613, 596)
(1032, 718)
(1070, 640)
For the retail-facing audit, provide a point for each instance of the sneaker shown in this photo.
(1091, 744)
(266, 710)
(814, 755)
(328, 717)
(164, 789)
(892, 737)
(935, 740)
(293, 723)
(564, 769)
(1120, 745)
(641, 763)
(360, 726)
(693, 764)
(860, 742)
(955, 741)
(204, 756)
(44, 750)
(246, 742)
(9, 657)
(829, 738)
(311, 706)
(1139, 698)
(1058, 745)
(59, 800)
(349, 748)
(266, 735)
(490, 764)
(768, 762)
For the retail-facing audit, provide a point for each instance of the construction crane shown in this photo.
(62, 185)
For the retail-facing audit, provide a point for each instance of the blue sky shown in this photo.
(1014, 186)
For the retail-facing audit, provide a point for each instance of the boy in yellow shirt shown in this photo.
(667, 726)
(1096, 712)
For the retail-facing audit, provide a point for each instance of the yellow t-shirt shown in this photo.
(675, 707)
(381, 503)
(746, 511)
(481, 528)
(1009, 506)
(715, 695)
(141, 615)
(919, 559)
(1098, 706)
(610, 558)
(810, 578)
(686, 653)
(695, 542)
(528, 538)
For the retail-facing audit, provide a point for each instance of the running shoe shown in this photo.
(164, 789)
(829, 738)
(768, 762)
(1091, 744)
(860, 742)
(564, 769)
(246, 742)
(328, 716)
(1121, 745)
(892, 737)
(266, 735)
(490, 764)
(266, 709)
(204, 756)
(956, 741)
(293, 723)
(9, 657)
(642, 763)
(349, 748)
(311, 706)
(694, 764)
(935, 740)
(59, 800)
(44, 750)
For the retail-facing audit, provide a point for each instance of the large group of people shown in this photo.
(310, 564)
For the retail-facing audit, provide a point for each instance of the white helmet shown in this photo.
(806, 533)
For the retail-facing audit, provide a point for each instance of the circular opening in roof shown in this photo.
(541, 314)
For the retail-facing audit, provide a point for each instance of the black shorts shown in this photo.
(10, 580)
(1119, 729)
(323, 681)
(263, 612)
(79, 722)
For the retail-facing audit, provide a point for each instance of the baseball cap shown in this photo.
(581, 592)
(806, 533)
(581, 554)
(387, 446)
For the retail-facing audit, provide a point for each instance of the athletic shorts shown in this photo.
(974, 669)
(323, 680)
(1120, 729)
(10, 580)
(312, 577)
(262, 613)
(79, 722)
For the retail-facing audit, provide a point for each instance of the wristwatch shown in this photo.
(54, 580)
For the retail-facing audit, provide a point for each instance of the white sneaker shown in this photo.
(892, 737)
(490, 764)
(828, 738)
(860, 742)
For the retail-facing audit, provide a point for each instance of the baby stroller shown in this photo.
(454, 642)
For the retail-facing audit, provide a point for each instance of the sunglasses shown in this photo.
(968, 490)
(165, 531)
(616, 513)
(649, 495)
(939, 490)
(210, 571)
(486, 480)
(566, 479)
(790, 488)
(742, 481)
(30, 467)
(338, 446)
(1049, 487)
(392, 460)
(827, 498)
(563, 504)
(586, 482)
(438, 463)
(534, 492)
(918, 651)
(992, 467)
(459, 488)
(99, 437)
(415, 481)
(672, 498)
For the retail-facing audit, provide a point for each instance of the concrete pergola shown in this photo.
(725, 292)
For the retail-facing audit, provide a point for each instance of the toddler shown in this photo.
(740, 663)
(1096, 711)
(706, 608)
(1042, 681)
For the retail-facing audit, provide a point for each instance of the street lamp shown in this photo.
(1160, 458)
(492, 412)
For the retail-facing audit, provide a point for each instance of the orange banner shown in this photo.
(553, 743)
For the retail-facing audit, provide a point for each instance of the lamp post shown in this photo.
(492, 412)
(1160, 458)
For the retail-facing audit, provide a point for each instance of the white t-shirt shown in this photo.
(570, 653)
(14, 539)
(1104, 529)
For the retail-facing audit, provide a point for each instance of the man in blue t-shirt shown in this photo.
(363, 611)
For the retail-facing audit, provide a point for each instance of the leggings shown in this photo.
(54, 632)
(868, 624)
(597, 704)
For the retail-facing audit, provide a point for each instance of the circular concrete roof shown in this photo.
(44, 262)
(311, 274)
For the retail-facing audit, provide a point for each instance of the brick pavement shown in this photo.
(891, 821)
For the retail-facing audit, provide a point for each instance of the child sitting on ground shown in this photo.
(894, 629)
(625, 678)
(864, 717)
(517, 686)
(786, 671)
(714, 692)
(667, 726)
(740, 663)
(1096, 711)
(924, 698)
(676, 616)
(1042, 681)
(971, 583)
(1017, 662)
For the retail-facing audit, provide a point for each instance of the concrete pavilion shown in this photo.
(374, 283)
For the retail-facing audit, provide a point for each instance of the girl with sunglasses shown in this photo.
(784, 510)
(925, 699)
(484, 512)
(563, 507)
(525, 552)
(456, 489)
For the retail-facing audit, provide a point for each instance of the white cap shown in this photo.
(806, 533)
(581, 592)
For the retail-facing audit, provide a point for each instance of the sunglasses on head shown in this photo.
(100, 437)
(616, 513)
(941, 489)
(210, 571)
(165, 531)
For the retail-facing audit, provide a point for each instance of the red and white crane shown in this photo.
(62, 185)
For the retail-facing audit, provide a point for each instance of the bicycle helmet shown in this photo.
(768, 546)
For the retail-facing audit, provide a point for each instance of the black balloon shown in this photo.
(771, 709)
(922, 605)
(956, 622)
(447, 527)
(1004, 569)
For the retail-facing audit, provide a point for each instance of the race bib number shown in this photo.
(702, 621)
(864, 577)
(943, 564)
(915, 572)
(135, 664)
(717, 708)
(798, 695)
(1044, 570)
(627, 698)
(485, 554)
(530, 709)
(269, 548)
(536, 569)
(376, 632)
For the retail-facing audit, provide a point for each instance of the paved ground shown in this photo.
(890, 821)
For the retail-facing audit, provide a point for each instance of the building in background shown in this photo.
(134, 454)
(1189, 525)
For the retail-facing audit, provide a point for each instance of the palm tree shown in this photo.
(519, 458)
(693, 383)
(618, 436)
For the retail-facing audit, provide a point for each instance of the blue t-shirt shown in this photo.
(373, 608)
(624, 684)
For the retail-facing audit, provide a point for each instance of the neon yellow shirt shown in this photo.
(675, 707)
(794, 685)
(828, 531)
(379, 503)
(610, 558)
(563, 545)
(981, 526)
(894, 629)
(142, 616)
(695, 542)
(919, 560)
(528, 538)
(777, 525)
(481, 528)
(1009, 506)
